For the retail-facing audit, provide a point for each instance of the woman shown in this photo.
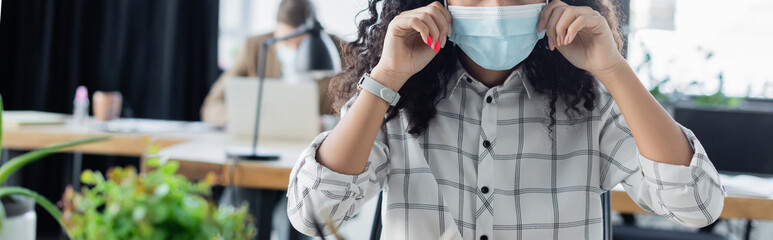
(512, 132)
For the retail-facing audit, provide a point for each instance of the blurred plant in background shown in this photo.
(669, 99)
(157, 205)
(719, 98)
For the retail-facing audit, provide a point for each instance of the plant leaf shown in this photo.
(1, 129)
(2, 216)
(14, 164)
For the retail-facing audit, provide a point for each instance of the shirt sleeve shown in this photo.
(316, 191)
(690, 195)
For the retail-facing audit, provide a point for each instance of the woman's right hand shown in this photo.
(413, 38)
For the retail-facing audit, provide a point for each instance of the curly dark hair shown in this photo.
(549, 72)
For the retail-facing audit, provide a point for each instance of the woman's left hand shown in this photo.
(582, 35)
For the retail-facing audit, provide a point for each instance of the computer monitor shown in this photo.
(736, 140)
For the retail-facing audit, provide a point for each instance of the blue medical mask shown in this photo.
(496, 38)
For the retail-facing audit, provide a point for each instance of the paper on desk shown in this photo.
(747, 185)
(135, 125)
(207, 152)
(18, 118)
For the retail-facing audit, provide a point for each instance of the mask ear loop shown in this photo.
(458, 79)
(445, 3)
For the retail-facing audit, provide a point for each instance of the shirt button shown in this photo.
(488, 99)
(486, 144)
(484, 189)
(483, 237)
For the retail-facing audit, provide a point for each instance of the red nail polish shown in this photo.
(429, 40)
(437, 46)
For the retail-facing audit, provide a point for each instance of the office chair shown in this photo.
(375, 231)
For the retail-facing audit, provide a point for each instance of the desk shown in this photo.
(275, 175)
(201, 156)
(30, 137)
(202, 152)
(735, 207)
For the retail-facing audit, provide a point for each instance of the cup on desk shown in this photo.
(107, 105)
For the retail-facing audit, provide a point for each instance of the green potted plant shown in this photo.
(126, 205)
(157, 205)
(16, 163)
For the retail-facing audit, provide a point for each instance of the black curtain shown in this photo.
(160, 54)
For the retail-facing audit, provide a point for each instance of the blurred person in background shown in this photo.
(280, 64)
(280, 61)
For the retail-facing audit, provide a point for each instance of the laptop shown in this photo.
(289, 111)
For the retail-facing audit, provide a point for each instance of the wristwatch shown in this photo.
(376, 88)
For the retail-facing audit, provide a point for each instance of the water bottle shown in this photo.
(80, 110)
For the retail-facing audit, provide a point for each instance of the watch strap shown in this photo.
(378, 89)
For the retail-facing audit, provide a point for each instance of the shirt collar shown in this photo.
(516, 80)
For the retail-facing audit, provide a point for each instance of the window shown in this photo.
(696, 43)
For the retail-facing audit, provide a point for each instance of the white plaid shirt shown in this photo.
(487, 169)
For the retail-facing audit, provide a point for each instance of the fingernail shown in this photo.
(429, 40)
(437, 46)
(541, 23)
(566, 39)
(558, 40)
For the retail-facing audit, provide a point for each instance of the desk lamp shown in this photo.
(316, 53)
